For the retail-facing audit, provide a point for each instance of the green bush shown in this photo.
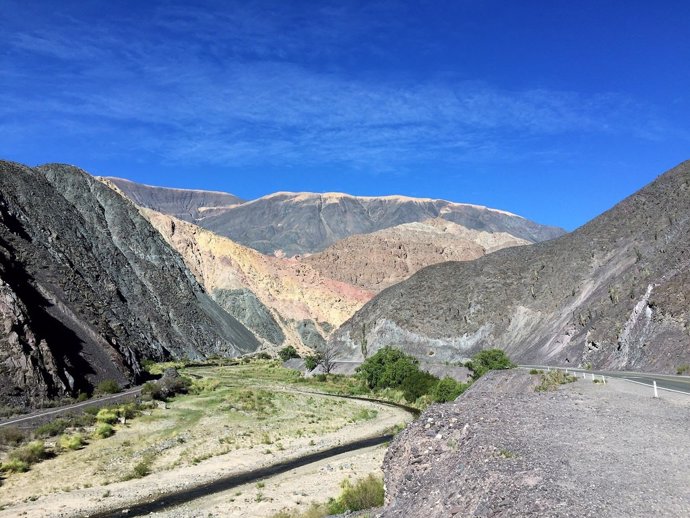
(106, 415)
(364, 494)
(390, 368)
(683, 369)
(52, 429)
(447, 389)
(108, 387)
(552, 379)
(311, 361)
(103, 430)
(488, 360)
(71, 442)
(32, 453)
(287, 353)
(15, 466)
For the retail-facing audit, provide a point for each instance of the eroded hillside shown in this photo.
(380, 259)
(88, 289)
(612, 294)
(282, 300)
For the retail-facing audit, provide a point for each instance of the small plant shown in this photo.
(103, 431)
(535, 371)
(108, 387)
(52, 429)
(683, 370)
(15, 466)
(364, 494)
(260, 485)
(11, 436)
(71, 442)
(552, 379)
(106, 415)
(311, 361)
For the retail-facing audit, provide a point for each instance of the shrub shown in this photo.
(364, 494)
(263, 356)
(488, 360)
(11, 436)
(311, 361)
(287, 353)
(108, 387)
(683, 369)
(534, 371)
(103, 430)
(32, 453)
(15, 466)
(447, 389)
(106, 415)
(552, 379)
(71, 442)
(52, 429)
(391, 368)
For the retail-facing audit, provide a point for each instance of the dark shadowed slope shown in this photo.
(615, 293)
(185, 204)
(88, 288)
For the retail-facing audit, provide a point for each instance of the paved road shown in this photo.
(40, 416)
(663, 381)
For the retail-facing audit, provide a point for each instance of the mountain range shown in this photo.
(613, 294)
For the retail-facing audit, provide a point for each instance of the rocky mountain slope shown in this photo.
(88, 288)
(380, 259)
(186, 204)
(613, 294)
(283, 301)
(303, 223)
(298, 223)
(503, 449)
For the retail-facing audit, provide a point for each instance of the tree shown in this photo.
(488, 360)
(328, 354)
(311, 361)
(287, 353)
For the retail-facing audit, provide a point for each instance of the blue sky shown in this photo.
(554, 109)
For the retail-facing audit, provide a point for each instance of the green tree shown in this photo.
(448, 389)
(287, 353)
(489, 360)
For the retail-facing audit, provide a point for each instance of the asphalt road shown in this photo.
(40, 416)
(663, 381)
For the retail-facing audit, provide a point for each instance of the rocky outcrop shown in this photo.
(380, 259)
(613, 294)
(89, 289)
(299, 223)
(502, 449)
(282, 301)
(185, 204)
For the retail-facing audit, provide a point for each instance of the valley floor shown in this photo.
(243, 418)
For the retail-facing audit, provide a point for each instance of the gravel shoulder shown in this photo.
(503, 449)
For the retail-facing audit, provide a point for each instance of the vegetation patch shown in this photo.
(551, 380)
(489, 360)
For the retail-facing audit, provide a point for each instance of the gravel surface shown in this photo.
(503, 449)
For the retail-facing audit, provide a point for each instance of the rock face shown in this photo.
(185, 204)
(613, 294)
(380, 259)
(283, 301)
(298, 223)
(88, 288)
(502, 449)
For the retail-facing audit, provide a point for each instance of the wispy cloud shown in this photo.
(241, 86)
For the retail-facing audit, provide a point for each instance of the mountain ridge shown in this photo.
(600, 296)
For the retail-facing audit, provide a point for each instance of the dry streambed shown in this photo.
(244, 417)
